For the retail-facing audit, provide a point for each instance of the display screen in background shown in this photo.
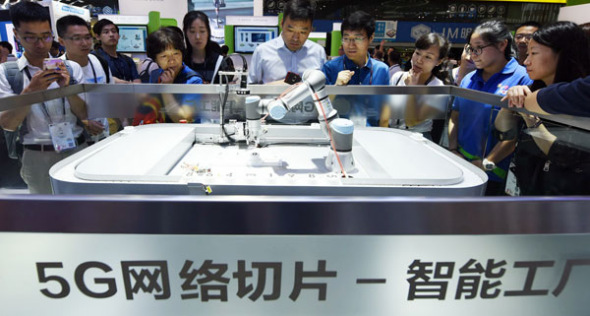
(247, 38)
(132, 38)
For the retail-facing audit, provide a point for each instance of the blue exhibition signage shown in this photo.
(404, 32)
(3, 32)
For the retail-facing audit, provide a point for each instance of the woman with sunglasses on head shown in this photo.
(411, 112)
(470, 132)
(549, 161)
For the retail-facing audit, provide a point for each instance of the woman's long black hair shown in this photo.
(211, 48)
(571, 43)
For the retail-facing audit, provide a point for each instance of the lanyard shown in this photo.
(44, 107)
(370, 68)
(91, 66)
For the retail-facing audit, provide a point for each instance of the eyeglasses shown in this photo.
(79, 39)
(356, 40)
(523, 36)
(477, 50)
(34, 39)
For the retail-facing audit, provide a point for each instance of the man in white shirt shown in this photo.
(290, 52)
(45, 126)
(74, 35)
(393, 59)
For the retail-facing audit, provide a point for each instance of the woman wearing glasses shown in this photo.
(413, 112)
(549, 161)
(356, 67)
(470, 130)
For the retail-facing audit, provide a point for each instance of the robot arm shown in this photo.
(314, 82)
(339, 131)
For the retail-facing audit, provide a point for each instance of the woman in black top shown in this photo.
(203, 54)
(549, 159)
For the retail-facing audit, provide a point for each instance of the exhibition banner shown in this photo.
(409, 32)
(131, 274)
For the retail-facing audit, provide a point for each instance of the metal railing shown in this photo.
(12, 102)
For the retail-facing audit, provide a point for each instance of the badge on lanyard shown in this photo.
(62, 136)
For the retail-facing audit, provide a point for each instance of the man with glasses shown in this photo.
(522, 37)
(74, 35)
(356, 67)
(122, 67)
(290, 52)
(48, 130)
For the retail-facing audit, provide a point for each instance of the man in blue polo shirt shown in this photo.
(356, 67)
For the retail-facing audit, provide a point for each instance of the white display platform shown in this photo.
(186, 159)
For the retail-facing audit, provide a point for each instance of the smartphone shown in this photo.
(52, 63)
(292, 78)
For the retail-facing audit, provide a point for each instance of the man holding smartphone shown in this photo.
(46, 130)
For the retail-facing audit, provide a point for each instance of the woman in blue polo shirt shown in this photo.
(470, 128)
(356, 67)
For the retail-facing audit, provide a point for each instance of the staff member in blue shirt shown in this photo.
(356, 67)
(470, 128)
(290, 52)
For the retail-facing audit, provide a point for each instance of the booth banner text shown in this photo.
(130, 274)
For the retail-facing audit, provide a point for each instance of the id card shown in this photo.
(511, 188)
(62, 136)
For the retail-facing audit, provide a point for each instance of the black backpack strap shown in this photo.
(105, 65)
(399, 79)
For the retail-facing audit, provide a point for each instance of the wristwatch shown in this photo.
(488, 165)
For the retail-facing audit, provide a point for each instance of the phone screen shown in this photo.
(52, 63)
